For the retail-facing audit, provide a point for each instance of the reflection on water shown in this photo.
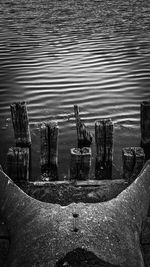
(55, 54)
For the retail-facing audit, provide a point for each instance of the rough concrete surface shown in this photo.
(42, 234)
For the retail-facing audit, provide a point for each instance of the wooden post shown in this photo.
(145, 128)
(49, 151)
(139, 162)
(128, 162)
(133, 161)
(44, 151)
(83, 135)
(21, 127)
(21, 124)
(104, 149)
(18, 164)
(80, 163)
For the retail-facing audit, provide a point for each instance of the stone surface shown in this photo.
(42, 233)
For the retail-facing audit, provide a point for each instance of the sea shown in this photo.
(55, 54)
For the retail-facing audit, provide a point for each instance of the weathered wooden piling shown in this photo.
(145, 128)
(83, 135)
(80, 163)
(21, 127)
(21, 124)
(49, 151)
(104, 149)
(128, 162)
(133, 161)
(18, 164)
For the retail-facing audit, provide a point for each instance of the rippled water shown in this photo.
(54, 54)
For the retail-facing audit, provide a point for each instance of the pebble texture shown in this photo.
(43, 233)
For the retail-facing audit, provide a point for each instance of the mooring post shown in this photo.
(145, 128)
(18, 164)
(83, 135)
(80, 163)
(49, 151)
(133, 161)
(104, 149)
(21, 127)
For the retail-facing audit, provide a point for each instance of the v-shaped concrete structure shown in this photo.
(42, 233)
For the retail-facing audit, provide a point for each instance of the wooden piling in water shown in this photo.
(104, 149)
(18, 164)
(80, 163)
(139, 162)
(133, 161)
(145, 128)
(49, 151)
(83, 135)
(21, 127)
(21, 124)
(128, 162)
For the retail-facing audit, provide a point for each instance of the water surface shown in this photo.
(54, 54)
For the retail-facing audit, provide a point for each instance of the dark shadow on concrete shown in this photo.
(82, 258)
